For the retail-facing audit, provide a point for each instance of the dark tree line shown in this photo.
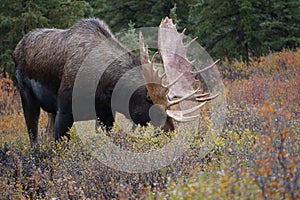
(19, 17)
(246, 28)
(237, 29)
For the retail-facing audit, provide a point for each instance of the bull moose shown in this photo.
(47, 61)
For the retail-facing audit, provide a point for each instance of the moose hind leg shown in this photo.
(31, 110)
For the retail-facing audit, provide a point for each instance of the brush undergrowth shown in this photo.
(256, 156)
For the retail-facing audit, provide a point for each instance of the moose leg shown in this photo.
(31, 110)
(64, 117)
(106, 118)
(50, 125)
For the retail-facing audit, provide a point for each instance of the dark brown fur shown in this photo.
(47, 61)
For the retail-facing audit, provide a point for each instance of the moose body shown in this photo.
(46, 64)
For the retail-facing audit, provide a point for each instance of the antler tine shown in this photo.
(182, 98)
(189, 44)
(183, 31)
(144, 50)
(207, 68)
(173, 82)
(201, 95)
(178, 115)
(181, 118)
(207, 98)
(190, 110)
(153, 57)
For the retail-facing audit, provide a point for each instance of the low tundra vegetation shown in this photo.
(256, 156)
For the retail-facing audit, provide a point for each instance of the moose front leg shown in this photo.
(50, 125)
(64, 116)
(105, 118)
(63, 122)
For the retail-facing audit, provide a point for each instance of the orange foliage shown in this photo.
(274, 78)
(275, 63)
(283, 89)
(277, 154)
(12, 121)
(286, 61)
(9, 97)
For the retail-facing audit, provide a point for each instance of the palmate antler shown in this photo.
(174, 56)
(177, 70)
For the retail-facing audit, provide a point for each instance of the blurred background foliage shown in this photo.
(231, 29)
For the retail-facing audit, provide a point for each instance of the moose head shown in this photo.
(176, 79)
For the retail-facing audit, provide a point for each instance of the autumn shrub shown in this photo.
(259, 156)
(9, 97)
(274, 78)
(234, 70)
(275, 63)
(286, 61)
(258, 89)
(276, 162)
(256, 156)
(260, 162)
(68, 170)
(12, 121)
